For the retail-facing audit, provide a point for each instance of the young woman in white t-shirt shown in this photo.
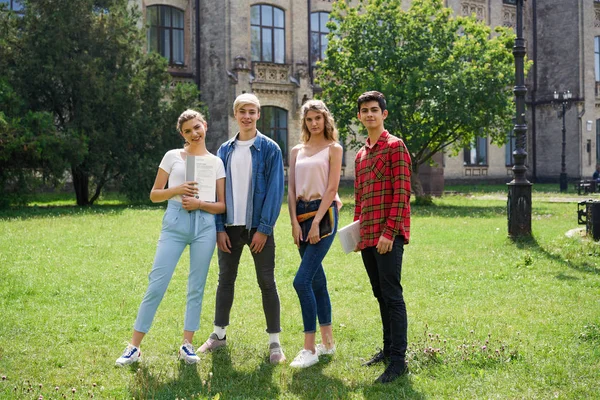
(187, 221)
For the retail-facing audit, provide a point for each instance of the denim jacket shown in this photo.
(266, 189)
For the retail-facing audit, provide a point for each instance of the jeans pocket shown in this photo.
(170, 218)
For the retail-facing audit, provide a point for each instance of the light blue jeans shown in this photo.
(179, 229)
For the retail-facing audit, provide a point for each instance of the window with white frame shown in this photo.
(166, 32)
(476, 153)
(273, 123)
(267, 25)
(510, 147)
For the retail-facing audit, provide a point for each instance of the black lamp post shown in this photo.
(562, 105)
(518, 205)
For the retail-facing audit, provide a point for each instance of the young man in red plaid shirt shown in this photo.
(382, 204)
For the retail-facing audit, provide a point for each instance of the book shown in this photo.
(203, 171)
(349, 236)
(325, 226)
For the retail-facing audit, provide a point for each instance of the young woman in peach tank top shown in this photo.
(314, 177)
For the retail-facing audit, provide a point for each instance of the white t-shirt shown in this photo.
(174, 165)
(241, 177)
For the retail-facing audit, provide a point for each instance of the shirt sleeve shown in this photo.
(274, 197)
(167, 162)
(220, 168)
(401, 171)
(357, 205)
(220, 218)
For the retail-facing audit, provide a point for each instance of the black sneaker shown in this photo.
(392, 372)
(379, 357)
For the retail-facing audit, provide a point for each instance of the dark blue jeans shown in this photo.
(384, 272)
(310, 281)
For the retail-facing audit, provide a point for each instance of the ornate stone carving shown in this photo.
(597, 17)
(302, 69)
(474, 6)
(240, 64)
(177, 80)
(509, 17)
(271, 73)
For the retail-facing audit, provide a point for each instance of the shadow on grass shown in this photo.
(230, 383)
(32, 212)
(224, 380)
(576, 263)
(311, 383)
(148, 385)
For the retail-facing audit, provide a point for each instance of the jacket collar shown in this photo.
(260, 139)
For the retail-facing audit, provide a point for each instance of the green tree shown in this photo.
(31, 150)
(84, 62)
(446, 79)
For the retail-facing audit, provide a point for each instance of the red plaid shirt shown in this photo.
(382, 190)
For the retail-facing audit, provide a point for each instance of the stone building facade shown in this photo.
(230, 47)
(560, 37)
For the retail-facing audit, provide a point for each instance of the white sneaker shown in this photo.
(324, 351)
(130, 355)
(305, 359)
(187, 353)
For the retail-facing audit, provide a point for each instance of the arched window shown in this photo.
(165, 32)
(268, 34)
(318, 36)
(273, 123)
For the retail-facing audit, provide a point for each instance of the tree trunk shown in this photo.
(81, 182)
(417, 189)
(415, 182)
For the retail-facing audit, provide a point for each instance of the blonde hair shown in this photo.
(244, 99)
(330, 131)
(188, 115)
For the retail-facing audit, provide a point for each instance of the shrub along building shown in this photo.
(270, 48)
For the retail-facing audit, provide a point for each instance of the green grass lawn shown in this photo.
(488, 317)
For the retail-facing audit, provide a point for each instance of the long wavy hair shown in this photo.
(331, 132)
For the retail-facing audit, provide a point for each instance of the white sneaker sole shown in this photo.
(139, 359)
(189, 361)
(306, 365)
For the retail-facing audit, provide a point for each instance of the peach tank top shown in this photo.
(312, 175)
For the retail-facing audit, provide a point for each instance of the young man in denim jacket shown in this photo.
(253, 196)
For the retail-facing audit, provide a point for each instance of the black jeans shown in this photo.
(264, 264)
(384, 272)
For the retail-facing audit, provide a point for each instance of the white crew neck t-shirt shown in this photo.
(173, 163)
(241, 179)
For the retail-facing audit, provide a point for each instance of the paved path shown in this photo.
(545, 199)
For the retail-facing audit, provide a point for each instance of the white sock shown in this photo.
(274, 338)
(220, 331)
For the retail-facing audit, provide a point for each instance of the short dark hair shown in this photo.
(372, 95)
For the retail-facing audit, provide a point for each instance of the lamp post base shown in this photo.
(519, 209)
(563, 182)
